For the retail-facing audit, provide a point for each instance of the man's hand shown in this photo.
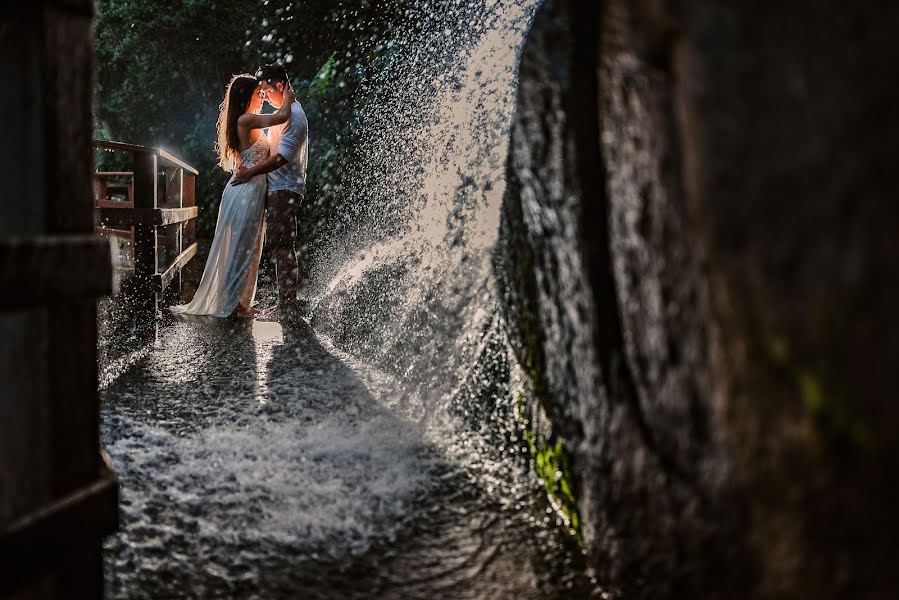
(241, 176)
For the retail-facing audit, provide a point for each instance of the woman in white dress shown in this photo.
(228, 286)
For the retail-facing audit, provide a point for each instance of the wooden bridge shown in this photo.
(153, 206)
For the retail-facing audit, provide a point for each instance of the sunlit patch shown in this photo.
(267, 332)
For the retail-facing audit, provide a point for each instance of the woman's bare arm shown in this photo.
(282, 115)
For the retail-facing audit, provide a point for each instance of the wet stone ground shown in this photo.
(257, 462)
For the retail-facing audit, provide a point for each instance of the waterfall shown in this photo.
(408, 287)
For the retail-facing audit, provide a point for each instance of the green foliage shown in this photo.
(162, 68)
(319, 84)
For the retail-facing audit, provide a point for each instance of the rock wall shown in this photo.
(699, 262)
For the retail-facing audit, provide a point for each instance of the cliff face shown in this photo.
(698, 252)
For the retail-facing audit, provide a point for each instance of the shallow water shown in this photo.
(258, 462)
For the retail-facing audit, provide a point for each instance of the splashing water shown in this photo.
(409, 288)
(378, 457)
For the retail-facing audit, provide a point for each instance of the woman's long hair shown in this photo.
(237, 98)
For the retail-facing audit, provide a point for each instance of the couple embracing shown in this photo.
(268, 182)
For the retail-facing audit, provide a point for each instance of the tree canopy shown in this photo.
(162, 68)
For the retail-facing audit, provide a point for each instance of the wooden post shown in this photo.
(174, 192)
(189, 232)
(54, 504)
(188, 199)
(101, 191)
(146, 168)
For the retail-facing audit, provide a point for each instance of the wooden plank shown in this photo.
(73, 407)
(25, 461)
(165, 157)
(114, 216)
(84, 507)
(43, 269)
(189, 198)
(114, 204)
(165, 278)
(68, 100)
(189, 190)
(170, 160)
(170, 216)
(52, 532)
(110, 145)
(100, 189)
(108, 231)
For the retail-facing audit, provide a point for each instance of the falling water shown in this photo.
(409, 287)
(380, 456)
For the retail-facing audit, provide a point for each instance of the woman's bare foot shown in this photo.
(245, 313)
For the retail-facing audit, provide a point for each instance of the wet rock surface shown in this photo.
(556, 264)
(696, 274)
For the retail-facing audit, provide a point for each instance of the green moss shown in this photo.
(777, 348)
(829, 410)
(812, 393)
(553, 467)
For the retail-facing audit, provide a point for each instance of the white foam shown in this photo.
(330, 484)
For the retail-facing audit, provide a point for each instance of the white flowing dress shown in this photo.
(229, 279)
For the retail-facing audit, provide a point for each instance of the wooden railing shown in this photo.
(154, 204)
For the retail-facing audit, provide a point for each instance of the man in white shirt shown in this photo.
(286, 172)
